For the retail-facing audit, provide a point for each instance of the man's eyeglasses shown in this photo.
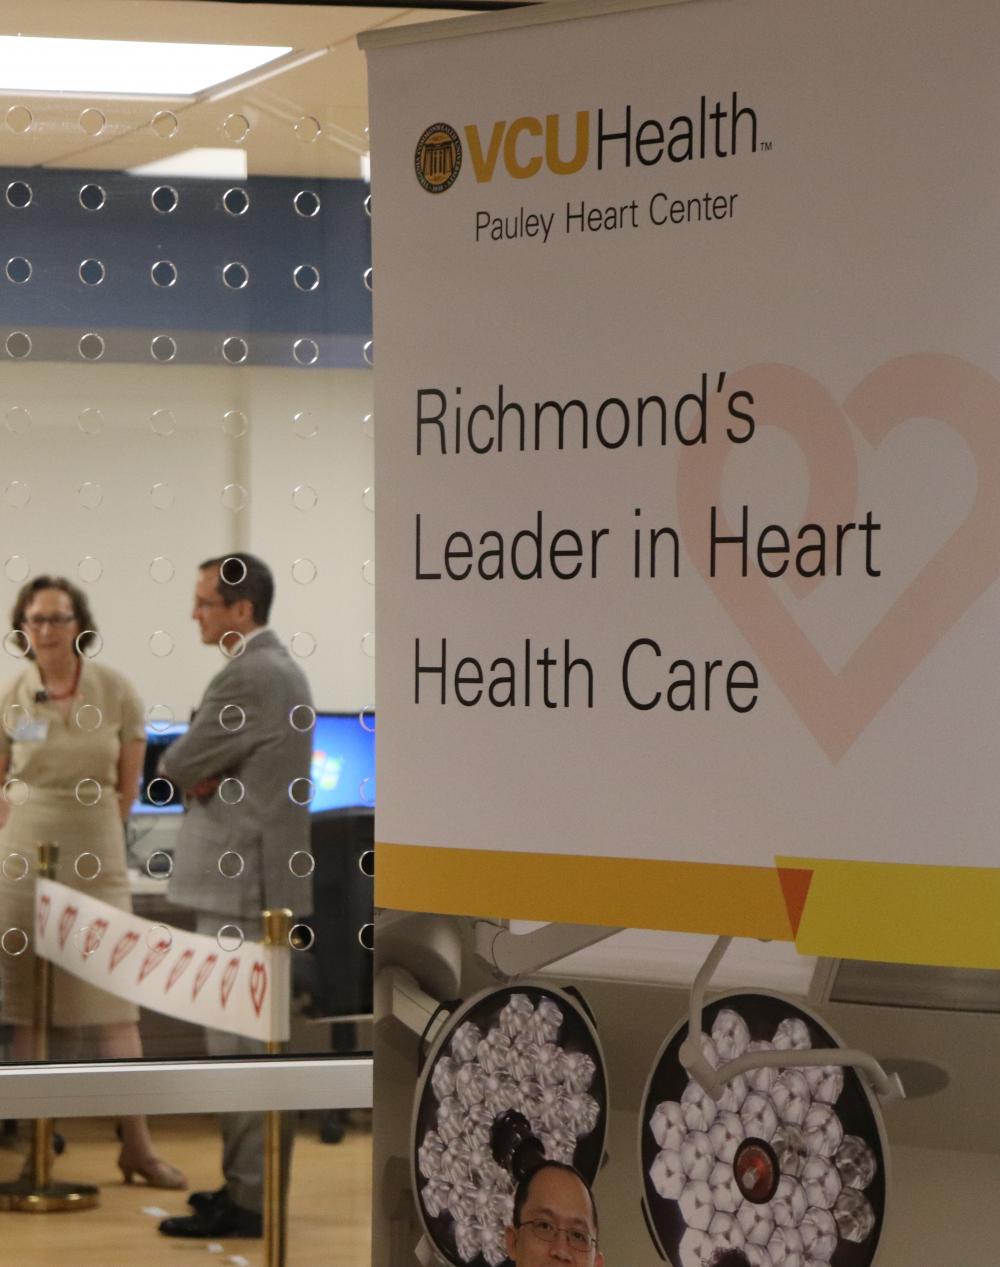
(578, 1241)
(39, 622)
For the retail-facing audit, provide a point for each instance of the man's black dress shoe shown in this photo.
(201, 1200)
(219, 1218)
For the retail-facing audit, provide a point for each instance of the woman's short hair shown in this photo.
(81, 608)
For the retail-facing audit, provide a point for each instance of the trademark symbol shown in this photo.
(766, 145)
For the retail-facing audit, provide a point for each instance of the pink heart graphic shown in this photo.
(154, 958)
(125, 944)
(66, 921)
(204, 972)
(44, 908)
(258, 986)
(228, 980)
(178, 970)
(93, 937)
(837, 706)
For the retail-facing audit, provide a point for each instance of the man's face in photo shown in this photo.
(557, 1200)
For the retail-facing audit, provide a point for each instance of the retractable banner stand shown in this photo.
(687, 415)
(687, 397)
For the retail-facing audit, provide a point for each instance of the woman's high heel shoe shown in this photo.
(154, 1171)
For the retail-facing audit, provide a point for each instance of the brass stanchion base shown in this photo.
(22, 1196)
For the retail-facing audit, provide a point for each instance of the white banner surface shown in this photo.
(243, 991)
(687, 401)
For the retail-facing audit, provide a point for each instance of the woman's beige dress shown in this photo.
(62, 786)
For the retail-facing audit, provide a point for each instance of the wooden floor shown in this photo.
(329, 1202)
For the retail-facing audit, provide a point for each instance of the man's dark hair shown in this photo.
(521, 1192)
(730, 1258)
(242, 576)
(88, 634)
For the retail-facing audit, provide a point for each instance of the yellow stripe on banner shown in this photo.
(688, 897)
(901, 912)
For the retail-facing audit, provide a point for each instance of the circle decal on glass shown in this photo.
(368, 645)
(235, 350)
(366, 277)
(160, 717)
(16, 718)
(18, 420)
(161, 643)
(16, 792)
(16, 644)
(164, 123)
(235, 275)
(92, 122)
(366, 936)
(366, 863)
(159, 938)
(233, 570)
(304, 497)
(14, 942)
(305, 351)
(236, 126)
(162, 496)
(18, 345)
(368, 499)
(17, 494)
(17, 568)
(305, 426)
(91, 347)
(15, 866)
(90, 494)
(163, 348)
(368, 425)
(164, 199)
(161, 570)
(231, 791)
(368, 571)
(160, 865)
(231, 865)
(164, 273)
(306, 203)
(234, 497)
(87, 866)
(88, 792)
(229, 937)
(306, 277)
(18, 270)
(301, 937)
(367, 720)
(236, 202)
(232, 718)
(89, 643)
(366, 791)
(303, 644)
(89, 717)
(301, 864)
(18, 119)
(89, 569)
(159, 791)
(92, 197)
(18, 194)
(307, 128)
(302, 791)
(91, 422)
(162, 422)
(368, 352)
(304, 571)
(232, 644)
(92, 272)
(235, 423)
(302, 718)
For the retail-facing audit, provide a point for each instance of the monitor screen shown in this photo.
(163, 797)
(343, 761)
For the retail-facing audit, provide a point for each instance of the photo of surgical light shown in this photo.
(515, 1076)
(764, 1135)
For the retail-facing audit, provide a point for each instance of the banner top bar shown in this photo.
(503, 20)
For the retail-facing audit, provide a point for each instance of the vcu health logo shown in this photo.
(438, 158)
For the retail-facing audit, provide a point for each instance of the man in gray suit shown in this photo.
(243, 845)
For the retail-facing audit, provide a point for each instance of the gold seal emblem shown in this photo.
(438, 158)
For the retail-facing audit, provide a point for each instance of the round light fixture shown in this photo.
(789, 1166)
(515, 1075)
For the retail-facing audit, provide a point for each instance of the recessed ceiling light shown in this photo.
(132, 67)
(207, 161)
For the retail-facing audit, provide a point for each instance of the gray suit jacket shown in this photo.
(266, 754)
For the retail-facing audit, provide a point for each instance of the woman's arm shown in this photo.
(130, 761)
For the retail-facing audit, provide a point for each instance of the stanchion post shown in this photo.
(35, 1192)
(277, 926)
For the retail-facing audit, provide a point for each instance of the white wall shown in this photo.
(56, 457)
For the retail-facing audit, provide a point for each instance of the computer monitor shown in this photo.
(343, 761)
(165, 797)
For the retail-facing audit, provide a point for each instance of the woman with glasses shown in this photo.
(71, 750)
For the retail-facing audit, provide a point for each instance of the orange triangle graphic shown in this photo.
(795, 884)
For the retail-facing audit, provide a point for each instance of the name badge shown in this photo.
(32, 732)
